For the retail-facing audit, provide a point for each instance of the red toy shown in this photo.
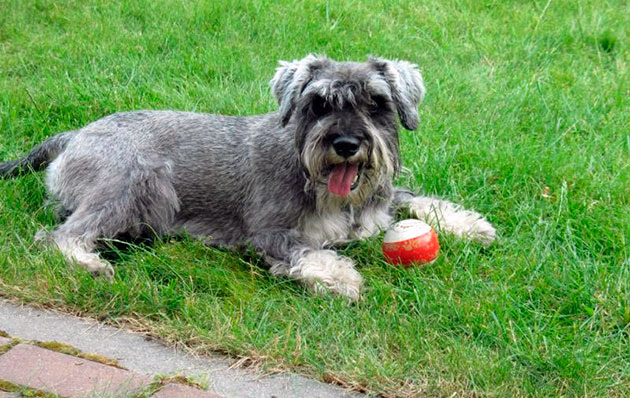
(410, 242)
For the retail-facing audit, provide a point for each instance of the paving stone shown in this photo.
(66, 375)
(182, 391)
(3, 341)
(137, 354)
(4, 394)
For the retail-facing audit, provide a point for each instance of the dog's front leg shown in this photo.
(320, 270)
(446, 216)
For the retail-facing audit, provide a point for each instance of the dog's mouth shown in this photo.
(343, 178)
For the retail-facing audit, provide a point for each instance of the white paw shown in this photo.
(95, 265)
(103, 269)
(326, 271)
(482, 231)
(43, 236)
(77, 253)
(450, 218)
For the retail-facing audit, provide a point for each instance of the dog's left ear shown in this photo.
(290, 79)
(407, 86)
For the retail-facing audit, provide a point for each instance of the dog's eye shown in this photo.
(320, 107)
(378, 103)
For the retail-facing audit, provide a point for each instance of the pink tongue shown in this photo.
(340, 180)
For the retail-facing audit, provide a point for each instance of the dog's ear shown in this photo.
(407, 87)
(290, 80)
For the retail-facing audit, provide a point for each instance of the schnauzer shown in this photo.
(291, 184)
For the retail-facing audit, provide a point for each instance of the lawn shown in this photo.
(526, 120)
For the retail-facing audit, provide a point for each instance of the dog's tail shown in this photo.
(38, 158)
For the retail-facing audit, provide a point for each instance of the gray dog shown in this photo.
(291, 184)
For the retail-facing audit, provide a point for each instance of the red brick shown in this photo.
(182, 391)
(3, 341)
(63, 374)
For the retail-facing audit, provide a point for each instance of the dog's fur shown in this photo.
(260, 181)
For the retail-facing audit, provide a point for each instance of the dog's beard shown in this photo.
(337, 180)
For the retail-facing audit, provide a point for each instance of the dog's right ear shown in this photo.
(407, 87)
(290, 80)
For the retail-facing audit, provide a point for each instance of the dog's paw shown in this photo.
(450, 218)
(99, 269)
(95, 265)
(326, 271)
(105, 271)
(42, 237)
(482, 231)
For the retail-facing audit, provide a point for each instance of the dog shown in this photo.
(291, 184)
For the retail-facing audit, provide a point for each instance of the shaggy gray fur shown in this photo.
(265, 181)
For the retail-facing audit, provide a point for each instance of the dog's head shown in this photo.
(346, 117)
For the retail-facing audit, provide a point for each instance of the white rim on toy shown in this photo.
(405, 230)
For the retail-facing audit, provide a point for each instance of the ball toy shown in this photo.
(410, 242)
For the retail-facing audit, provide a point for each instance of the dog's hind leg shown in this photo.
(76, 239)
(320, 270)
(446, 216)
(134, 200)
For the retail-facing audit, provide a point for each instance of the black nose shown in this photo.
(346, 146)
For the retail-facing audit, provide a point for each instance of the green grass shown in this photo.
(526, 120)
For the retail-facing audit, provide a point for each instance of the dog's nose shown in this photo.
(346, 145)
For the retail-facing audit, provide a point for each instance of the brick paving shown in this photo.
(63, 374)
(57, 373)
(141, 357)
